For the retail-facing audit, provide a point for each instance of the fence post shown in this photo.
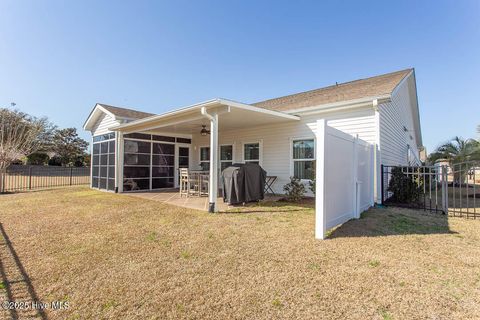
(320, 206)
(2, 182)
(30, 178)
(71, 173)
(355, 178)
(382, 183)
(445, 189)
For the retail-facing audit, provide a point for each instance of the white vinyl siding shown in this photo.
(104, 122)
(275, 140)
(395, 117)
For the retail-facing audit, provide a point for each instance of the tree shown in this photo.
(20, 135)
(68, 145)
(457, 151)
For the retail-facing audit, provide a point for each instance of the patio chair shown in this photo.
(184, 182)
(190, 183)
(132, 184)
(204, 184)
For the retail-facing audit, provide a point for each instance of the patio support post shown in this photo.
(213, 178)
(212, 192)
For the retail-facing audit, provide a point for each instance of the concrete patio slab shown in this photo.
(172, 196)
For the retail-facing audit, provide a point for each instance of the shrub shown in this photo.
(55, 161)
(404, 189)
(294, 190)
(313, 181)
(38, 158)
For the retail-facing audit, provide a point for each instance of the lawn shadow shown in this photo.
(393, 221)
(16, 282)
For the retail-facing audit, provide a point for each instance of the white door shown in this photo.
(182, 160)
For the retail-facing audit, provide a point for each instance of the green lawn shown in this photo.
(116, 256)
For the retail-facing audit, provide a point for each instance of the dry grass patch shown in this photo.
(116, 256)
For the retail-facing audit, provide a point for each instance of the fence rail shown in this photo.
(418, 187)
(452, 189)
(463, 183)
(24, 178)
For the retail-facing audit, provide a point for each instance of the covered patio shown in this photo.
(190, 126)
(172, 196)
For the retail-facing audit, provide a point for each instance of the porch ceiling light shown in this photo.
(204, 130)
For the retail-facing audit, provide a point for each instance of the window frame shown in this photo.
(200, 161)
(292, 160)
(260, 151)
(220, 161)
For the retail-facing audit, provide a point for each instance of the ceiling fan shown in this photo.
(204, 130)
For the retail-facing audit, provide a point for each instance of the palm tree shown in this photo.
(457, 151)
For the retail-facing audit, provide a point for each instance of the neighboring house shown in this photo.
(145, 150)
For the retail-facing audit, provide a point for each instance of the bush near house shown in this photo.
(404, 189)
(294, 190)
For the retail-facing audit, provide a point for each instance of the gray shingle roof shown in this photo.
(369, 87)
(126, 113)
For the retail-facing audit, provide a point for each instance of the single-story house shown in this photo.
(146, 150)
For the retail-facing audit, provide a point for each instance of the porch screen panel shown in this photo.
(163, 164)
(103, 162)
(136, 167)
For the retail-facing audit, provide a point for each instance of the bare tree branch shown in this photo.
(20, 135)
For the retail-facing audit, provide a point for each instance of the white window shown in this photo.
(251, 152)
(226, 156)
(205, 158)
(303, 158)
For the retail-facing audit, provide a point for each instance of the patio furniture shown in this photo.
(204, 181)
(269, 181)
(184, 182)
(130, 183)
(195, 181)
(243, 183)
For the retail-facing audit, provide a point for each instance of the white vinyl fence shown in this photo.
(344, 178)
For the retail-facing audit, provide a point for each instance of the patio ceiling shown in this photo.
(232, 115)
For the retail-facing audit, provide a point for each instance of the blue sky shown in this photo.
(58, 58)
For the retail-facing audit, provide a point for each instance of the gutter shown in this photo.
(342, 105)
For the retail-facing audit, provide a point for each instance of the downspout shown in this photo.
(213, 176)
(376, 154)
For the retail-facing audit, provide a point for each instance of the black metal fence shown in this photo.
(417, 187)
(464, 189)
(25, 178)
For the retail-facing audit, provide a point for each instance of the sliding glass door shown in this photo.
(183, 161)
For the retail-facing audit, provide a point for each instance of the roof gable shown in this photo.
(116, 113)
(125, 113)
(370, 87)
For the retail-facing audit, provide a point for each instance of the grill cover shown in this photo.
(243, 183)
